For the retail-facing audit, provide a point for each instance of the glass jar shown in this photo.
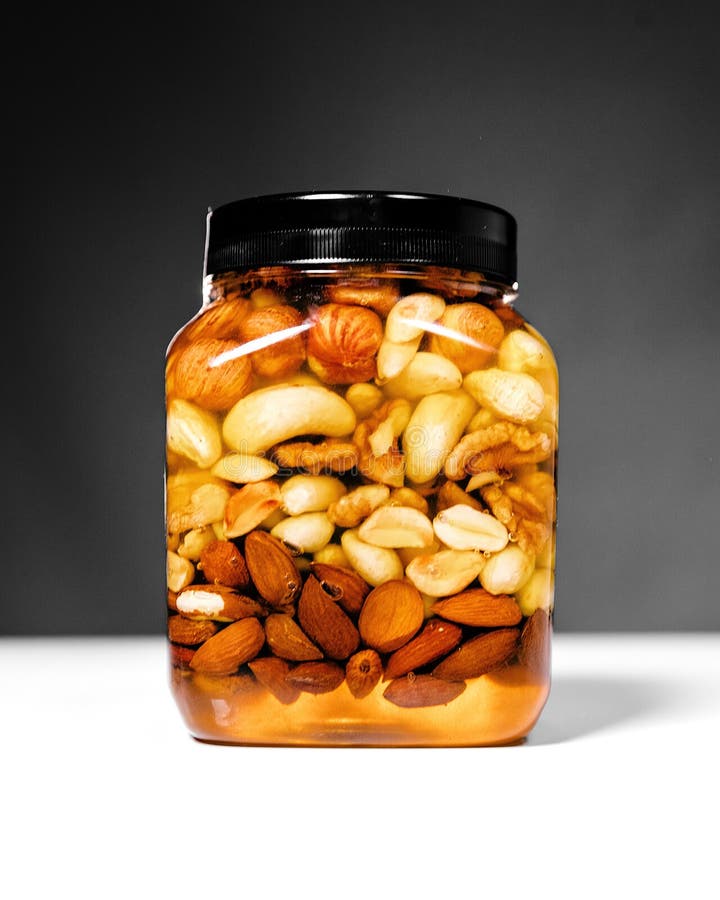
(361, 445)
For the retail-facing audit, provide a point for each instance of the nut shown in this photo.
(216, 602)
(408, 318)
(230, 648)
(272, 569)
(463, 528)
(445, 572)
(325, 623)
(195, 541)
(406, 496)
(180, 656)
(534, 653)
(242, 469)
(180, 572)
(265, 418)
(374, 564)
(306, 533)
(479, 655)
(425, 373)
(393, 359)
(219, 319)
(362, 672)
(479, 609)
(364, 398)
(525, 516)
(189, 631)
(450, 494)
(510, 395)
(332, 555)
(271, 672)
(222, 563)
(193, 433)
(250, 506)
(213, 373)
(497, 449)
(351, 509)
(332, 455)
(263, 297)
(521, 352)
(483, 479)
(408, 554)
(286, 639)
(342, 344)
(379, 294)
(342, 585)
(434, 428)
(391, 615)
(435, 640)
(194, 499)
(274, 340)
(397, 415)
(397, 526)
(316, 677)
(507, 571)
(422, 690)
(381, 429)
(537, 593)
(310, 493)
(468, 334)
(483, 418)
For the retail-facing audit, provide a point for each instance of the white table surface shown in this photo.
(615, 795)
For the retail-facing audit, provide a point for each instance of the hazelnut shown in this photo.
(278, 355)
(343, 343)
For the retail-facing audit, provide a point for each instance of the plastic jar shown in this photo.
(361, 444)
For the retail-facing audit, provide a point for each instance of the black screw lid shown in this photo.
(362, 227)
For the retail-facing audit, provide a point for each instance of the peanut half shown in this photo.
(397, 526)
(446, 572)
(243, 469)
(507, 571)
(375, 564)
(310, 493)
(307, 533)
(461, 527)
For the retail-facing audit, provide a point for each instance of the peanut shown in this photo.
(180, 572)
(332, 555)
(446, 572)
(375, 564)
(364, 398)
(310, 493)
(507, 571)
(308, 532)
(243, 469)
(397, 526)
(461, 527)
(537, 593)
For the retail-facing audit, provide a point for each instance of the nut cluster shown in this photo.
(360, 492)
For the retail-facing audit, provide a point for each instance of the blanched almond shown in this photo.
(391, 615)
(397, 526)
(463, 528)
(446, 572)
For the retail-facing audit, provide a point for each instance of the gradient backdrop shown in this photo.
(597, 127)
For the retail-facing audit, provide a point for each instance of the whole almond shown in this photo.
(222, 563)
(230, 648)
(479, 608)
(271, 672)
(435, 640)
(362, 673)
(392, 614)
(479, 655)
(216, 602)
(343, 585)
(534, 653)
(180, 657)
(190, 631)
(272, 569)
(316, 677)
(325, 623)
(286, 639)
(422, 690)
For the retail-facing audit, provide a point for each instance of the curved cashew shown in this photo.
(269, 417)
(434, 428)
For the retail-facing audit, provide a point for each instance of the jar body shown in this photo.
(360, 509)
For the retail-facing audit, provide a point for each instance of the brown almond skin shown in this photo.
(479, 608)
(534, 653)
(362, 672)
(479, 655)
(235, 606)
(316, 677)
(343, 585)
(422, 690)
(435, 640)
(182, 630)
(272, 569)
(222, 563)
(325, 623)
(271, 672)
(286, 639)
(225, 652)
(180, 657)
(392, 614)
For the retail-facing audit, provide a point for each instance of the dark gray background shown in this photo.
(597, 128)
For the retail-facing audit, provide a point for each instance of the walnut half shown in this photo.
(497, 448)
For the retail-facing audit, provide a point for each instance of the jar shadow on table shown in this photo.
(581, 706)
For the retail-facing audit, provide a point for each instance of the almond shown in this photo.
(392, 614)
(216, 602)
(343, 343)
(274, 336)
(534, 653)
(362, 672)
(422, 690)
(286, 639)
(272, 569)
(250, 506)
(479, 608)
(230, 648)
(343, 585)
(213, 373)
(435, 640)
(325, 623)
(479, 655)
(316, 677)
(180, 657)
(222, 563)
(190, 631)
(272, 673)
